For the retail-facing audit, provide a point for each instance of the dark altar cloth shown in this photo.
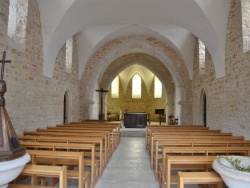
(135, 120)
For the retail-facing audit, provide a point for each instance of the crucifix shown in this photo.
(3, 87)
(10, 147)
(3, 61)
(101, 91)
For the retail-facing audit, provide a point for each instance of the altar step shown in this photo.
(133, 132)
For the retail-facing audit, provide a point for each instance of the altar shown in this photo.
(135, 120)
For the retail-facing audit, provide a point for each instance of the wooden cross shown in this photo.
(101, 91)
(3, 61)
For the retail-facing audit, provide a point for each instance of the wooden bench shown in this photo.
(68, 147)
(107, 145)
(114, 137)
(155, 155)
(82, 132)
(187, 132)
(185, 163)
(56, 158)
(199, 178)
(205, 151)
(100, 153)
(186, 137)
(184, 133)
(43, 171)
(151, 128)
(116, 127)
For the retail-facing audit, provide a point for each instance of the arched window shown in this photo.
(136, 86)
(203, 108)
(115, 88)
(245, 6)
(17, 21)
(69, 54)
(12, 24)
(157, 88)
(66, 107)
(202, 56)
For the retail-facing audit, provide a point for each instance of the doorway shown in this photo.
(66, 108)
(204, 108)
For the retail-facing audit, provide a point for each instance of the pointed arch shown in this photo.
(136, 86)
(66, 107)
(203, 108)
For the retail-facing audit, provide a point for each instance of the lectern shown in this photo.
(160, 112)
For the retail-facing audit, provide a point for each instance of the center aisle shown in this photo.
(129, 166)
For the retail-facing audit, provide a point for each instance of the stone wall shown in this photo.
(147, 103)
(33, 100)
(171, 61)
(228, 104)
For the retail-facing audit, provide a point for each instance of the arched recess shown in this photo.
(66, 107)
(149, 62)
(166, 57)
(203, 108)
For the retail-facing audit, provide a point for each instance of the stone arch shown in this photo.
(104, 56)
(147, 61)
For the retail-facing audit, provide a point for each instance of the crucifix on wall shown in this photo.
(101, 91)
(3, 61)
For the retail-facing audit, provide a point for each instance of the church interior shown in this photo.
(99, 61)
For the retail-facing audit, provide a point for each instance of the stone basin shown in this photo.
(9, 170)
(232, 177)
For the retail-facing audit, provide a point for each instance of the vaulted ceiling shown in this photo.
(96, 22)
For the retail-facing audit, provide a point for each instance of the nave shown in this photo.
(149, 159)
(129, 166)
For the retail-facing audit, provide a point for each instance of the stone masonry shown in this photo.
(34, 100)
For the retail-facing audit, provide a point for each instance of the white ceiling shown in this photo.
(175, 22)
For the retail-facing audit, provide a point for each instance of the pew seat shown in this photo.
(199, 178)
(43, 171)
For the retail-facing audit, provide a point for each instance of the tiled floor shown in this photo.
(129, 166)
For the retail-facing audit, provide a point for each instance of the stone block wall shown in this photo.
(147, 103)
(33, 100)
(169, 60)
(228, 102)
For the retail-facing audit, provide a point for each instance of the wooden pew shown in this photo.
(101, 153)
(84, 132)
(187, 133)
(43, 171)
(107, 145)
(163, 134)
(114, 139)
(185, 163)
(56, 158)
(116, 127)
(150, 128)
(67, 147)
(186, 137)
(155, 154)
(193, 136)
(205, 151)
(199, 178)
(115, 134)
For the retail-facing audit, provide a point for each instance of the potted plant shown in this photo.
(234, 170)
